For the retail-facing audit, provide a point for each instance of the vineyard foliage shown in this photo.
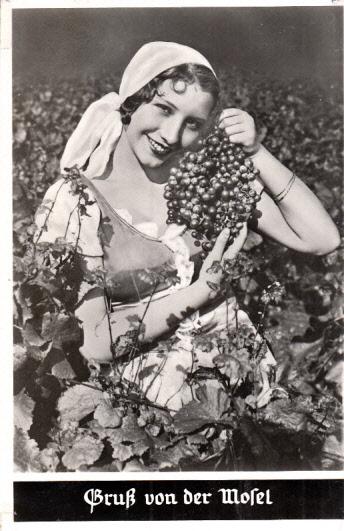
(72, 416)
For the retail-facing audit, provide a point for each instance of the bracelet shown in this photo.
(253, 152)
(279, 197)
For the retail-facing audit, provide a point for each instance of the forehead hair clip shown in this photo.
(179, 86)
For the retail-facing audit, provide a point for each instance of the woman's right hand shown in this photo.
(210, 276)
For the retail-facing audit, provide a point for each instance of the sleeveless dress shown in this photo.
(141, 267)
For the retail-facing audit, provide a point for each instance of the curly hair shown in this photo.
(189, 73)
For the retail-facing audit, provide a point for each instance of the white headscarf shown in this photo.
(100, 127)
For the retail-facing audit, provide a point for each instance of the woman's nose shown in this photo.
(171, 131)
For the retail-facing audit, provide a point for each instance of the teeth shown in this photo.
(158, 147)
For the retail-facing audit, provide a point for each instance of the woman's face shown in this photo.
(172, 121)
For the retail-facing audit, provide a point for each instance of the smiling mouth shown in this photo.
(158, 148)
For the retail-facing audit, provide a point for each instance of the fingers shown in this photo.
(236, 246)
(220, 244)
(239, 126)
(240, 138)
(233, 116)
(231, 111)
(231, 121)
(234, 129)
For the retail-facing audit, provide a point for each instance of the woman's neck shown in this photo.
(126, 166)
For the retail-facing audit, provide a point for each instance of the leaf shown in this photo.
(236, 365)
(60, 328)
(78, 402)
(22, 411)
(335, 376)
(259, 444)
(134, 465)
(101, 432)
(213, 402)
(332, 455)
(191, 417)
(197, 438)
(63, 370)
(49, 459)
(107, 416)
(31, 337)
(20, 357)
(283, 413)
(171, 457)
(302, 350)
(128, 432)
(26, 452)
(215, 398)
(24, 303)
(122, 452)
(85, 451)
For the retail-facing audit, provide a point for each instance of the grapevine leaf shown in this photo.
(122, 452)
(191, 417)
(26, 453)
(128, 432)
(107, 416)
(332, 453)
(20, 357)
(197, 438)
(63, 369)
(213, 403)
(214, 398)
(335, 376)
(171, 457)
(49, 459)
(114, 466)
(60, 328)
(101, 432)
(31, 337)
(22, 410)
(77, 402)
(282, 413)
(85, 451)
(134, 465)
(236, 365)
(259, 444)
(24, 303)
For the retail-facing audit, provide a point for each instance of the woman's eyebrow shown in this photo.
(200, 119)
(166, 101)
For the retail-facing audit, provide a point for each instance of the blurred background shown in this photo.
(279, 42)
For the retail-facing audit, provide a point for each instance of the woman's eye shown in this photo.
(164, 108)
(195, 126)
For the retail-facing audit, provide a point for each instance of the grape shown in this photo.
(211, 189)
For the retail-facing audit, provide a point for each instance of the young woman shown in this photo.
(125, 146)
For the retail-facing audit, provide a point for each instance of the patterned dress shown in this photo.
(139, 267)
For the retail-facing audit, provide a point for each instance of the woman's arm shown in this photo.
(298, 221)
(160, 316)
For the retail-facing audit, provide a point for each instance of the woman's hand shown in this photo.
(213, 275)
(240, 128)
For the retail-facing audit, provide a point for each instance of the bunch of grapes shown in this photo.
(211, 190)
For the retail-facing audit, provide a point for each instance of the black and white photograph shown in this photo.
(177, 256)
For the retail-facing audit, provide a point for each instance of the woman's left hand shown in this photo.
(240, 128)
